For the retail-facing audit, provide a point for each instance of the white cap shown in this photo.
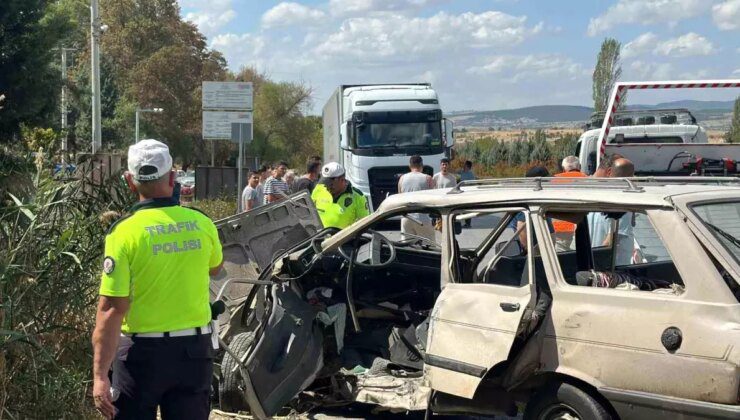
(149, 160)
(332, 170)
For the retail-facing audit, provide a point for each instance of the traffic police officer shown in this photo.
(152, 324)
(338, 203)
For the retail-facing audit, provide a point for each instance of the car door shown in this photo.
(288, 353)
(474, 325)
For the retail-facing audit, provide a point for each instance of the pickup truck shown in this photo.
(661, 142)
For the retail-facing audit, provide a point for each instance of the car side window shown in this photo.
(626, 253)
(473, 228)
(490, 250)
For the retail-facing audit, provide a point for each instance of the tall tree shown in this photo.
(149, 57)
(281, 128)
(606, 73)
(28, 78)
(733, 135)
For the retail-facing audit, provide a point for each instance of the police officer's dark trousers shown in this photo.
(173, 373)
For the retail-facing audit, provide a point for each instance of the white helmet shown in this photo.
(332, 170)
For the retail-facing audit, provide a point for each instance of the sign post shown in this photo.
(227, 115)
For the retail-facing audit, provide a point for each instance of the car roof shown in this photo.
(640, 192)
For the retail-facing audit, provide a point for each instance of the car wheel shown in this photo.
(564, 401)
(231, 389)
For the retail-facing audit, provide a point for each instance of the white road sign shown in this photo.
(217, 124)
(227, 95)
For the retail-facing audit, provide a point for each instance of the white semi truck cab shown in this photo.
(372, 130)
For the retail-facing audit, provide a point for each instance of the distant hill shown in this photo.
(691, 105)
(541, 114)
(534, 116)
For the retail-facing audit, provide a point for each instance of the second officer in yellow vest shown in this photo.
(339, 204)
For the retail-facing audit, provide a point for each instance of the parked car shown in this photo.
(639, 319)
(187, 187)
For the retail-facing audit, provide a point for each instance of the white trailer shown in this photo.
(372, 130)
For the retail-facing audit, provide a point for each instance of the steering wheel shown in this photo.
(410, 238)
(374, 246)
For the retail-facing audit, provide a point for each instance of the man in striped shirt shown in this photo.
(275, 186)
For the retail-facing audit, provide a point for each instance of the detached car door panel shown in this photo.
(288, 353)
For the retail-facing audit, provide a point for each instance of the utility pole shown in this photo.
(95, 30)
(65, 146)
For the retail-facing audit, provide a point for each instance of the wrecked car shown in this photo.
(638, 317)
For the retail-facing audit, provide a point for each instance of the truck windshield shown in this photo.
(398, 129)
(399, 135)
(723, 220)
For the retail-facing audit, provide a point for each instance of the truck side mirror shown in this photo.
(449, 135)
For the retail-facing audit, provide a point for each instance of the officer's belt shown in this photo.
(179, 333)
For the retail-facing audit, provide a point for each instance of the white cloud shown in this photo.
(240, 50)
(427, 77)
(727, 15)
(403, 38)
(695, 75)
(640, 70)
(209, 15)
(690, 44)
(737, 71)
(289, 13)
(640, 45)
(363, 7)
(651, 71)
(687, 45)
(646, 12)
(520, 67)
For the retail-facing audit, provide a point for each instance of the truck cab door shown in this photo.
(474, 325)
(449, 132)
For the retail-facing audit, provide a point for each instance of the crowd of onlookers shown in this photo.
(272, 182)
(339, 204)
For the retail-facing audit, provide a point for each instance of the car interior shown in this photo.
(500, 258)
(373, 297)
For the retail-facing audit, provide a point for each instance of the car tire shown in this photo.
(231, 389)
(563, 401)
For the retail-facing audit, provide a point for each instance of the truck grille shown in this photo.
(384, 181)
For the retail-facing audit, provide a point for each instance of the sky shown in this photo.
(478, 54)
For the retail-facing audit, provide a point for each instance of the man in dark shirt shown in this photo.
(308, 180)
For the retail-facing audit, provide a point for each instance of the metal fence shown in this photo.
(217, 181)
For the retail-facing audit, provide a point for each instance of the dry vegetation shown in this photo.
(52, 240)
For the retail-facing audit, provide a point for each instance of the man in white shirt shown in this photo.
(600, 227)
(443, 178)
(250, 195)
(417, 224)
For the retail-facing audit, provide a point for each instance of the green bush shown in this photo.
(498, 159)
(216, 209)
(52, 242)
